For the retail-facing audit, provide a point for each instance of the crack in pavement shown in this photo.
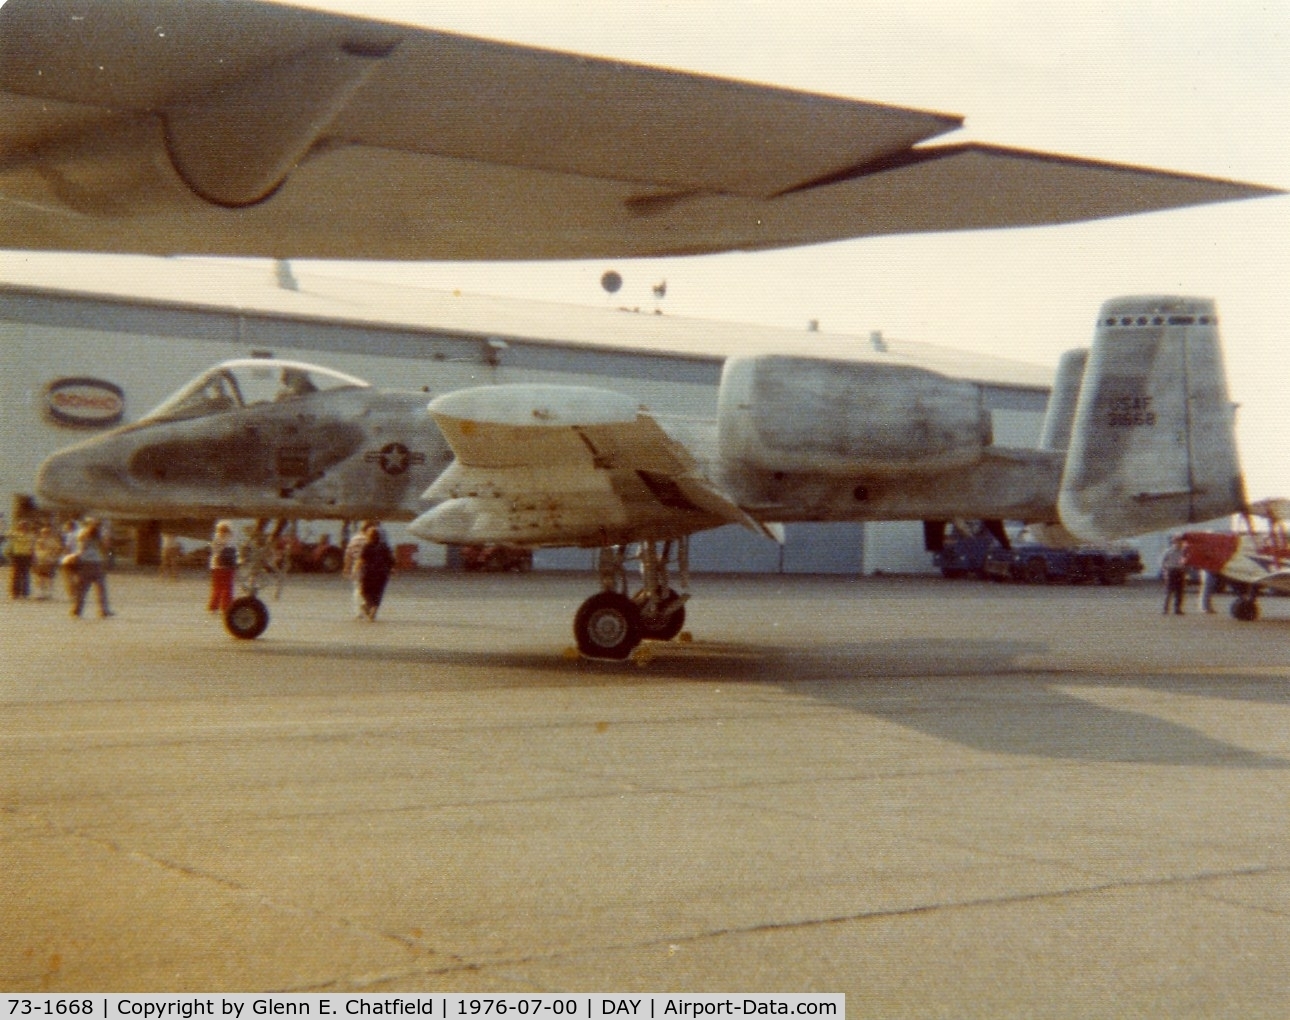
(674, 943)
(406, 942)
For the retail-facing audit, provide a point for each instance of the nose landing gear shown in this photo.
(247, 617)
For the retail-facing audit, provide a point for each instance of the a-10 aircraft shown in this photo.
(238, 127)
(1252, 559)
(1139, 437)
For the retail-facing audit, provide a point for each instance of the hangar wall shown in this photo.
(150, 348)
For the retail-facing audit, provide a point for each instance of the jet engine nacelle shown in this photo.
(793, 414)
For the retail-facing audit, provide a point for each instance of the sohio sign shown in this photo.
(84, 403)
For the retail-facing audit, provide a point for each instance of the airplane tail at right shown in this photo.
(1153, 443)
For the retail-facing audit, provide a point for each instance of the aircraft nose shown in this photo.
(73, 478)
(57, 477)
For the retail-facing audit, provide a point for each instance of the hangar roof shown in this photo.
(252, 286)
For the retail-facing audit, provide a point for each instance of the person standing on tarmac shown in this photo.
(91, 566)
(223, 565)
(353, 570)
(375, 563)
(1208, 588)
(21, 548)
(44, 564)
(171, 553)
(1173, 567)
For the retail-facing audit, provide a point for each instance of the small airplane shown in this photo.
(248, 128)
(1252, 560)
(1139, 437)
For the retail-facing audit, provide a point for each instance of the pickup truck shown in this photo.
(1031, 563)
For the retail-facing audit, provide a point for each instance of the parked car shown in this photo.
(320, 556)
(964, 553)
(496, 558)
(1031, 563)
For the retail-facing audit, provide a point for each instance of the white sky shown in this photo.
(1187, 86)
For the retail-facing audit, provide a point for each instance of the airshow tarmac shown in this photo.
(941, 798)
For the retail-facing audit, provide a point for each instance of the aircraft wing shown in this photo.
(238, 127)
(564, 465)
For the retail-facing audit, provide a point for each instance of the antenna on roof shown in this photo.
(660, 292)
(286, 278)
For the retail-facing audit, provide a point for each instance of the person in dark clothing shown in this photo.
(1173, 568)
(21, 548)
(375, 563)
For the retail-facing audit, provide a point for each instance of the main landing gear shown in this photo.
(611, 623)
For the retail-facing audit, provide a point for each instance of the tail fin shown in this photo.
(1153, 443)
(1060, 418)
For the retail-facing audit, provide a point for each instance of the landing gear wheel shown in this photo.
(246, 618)
(665, 622)
(1246, 609)
(607, 626)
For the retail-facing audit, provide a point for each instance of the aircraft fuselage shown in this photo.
(344, 454)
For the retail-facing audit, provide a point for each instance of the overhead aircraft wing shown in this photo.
(565, 465)
(238, 127)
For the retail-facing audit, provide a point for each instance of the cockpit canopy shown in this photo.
(245, 383)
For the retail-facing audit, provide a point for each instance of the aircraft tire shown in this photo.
(607, 626)
(247, 618)
(1246, 609)
(664, 626)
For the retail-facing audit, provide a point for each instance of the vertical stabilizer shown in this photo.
(1060, 417)
(1153, 444)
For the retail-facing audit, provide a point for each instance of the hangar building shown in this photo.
(135, 329)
